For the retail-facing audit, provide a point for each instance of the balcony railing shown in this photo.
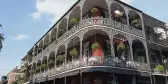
(95, 61)
(91, 22)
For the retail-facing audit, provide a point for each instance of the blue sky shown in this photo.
(25, 21)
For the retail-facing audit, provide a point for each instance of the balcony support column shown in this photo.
(112, 47)
(131, 50)
(65, 80)
(154, 80)
(147, 54)
(127, 17)
(66, 53)
(47, 64)
(134, 80)
(151, 79)
(54, 81)
(81, 81)
(55, 61)
(166, 80)
(81, 47)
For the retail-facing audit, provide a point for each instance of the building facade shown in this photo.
(101, 42)
(14, 75)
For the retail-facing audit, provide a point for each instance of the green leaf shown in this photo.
(95, 46)
(74, 52)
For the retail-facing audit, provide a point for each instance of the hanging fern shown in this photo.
(74, 52)
(94, 10)
(60, 57)
(120, 46)
(95, 45)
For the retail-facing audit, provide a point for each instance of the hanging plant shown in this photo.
(43, 66)
(60, 58)
(134, 21)
(95, 45)
(74, 52)
(94, 9)
(159, 68)
(74, 20)
(120, 46)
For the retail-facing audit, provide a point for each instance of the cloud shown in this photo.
(52, 10)
(35, 15)
(126, 1)
(19, 37)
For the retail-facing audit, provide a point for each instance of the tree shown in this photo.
(1, 39)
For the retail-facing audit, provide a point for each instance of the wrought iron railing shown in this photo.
(90, 22)
(95, 61)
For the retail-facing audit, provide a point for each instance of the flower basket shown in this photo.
(74, 52)
(94, 10)
(95, 45)
(159, 68)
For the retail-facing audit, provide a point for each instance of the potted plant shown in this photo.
(95, 45)
(159, 68)
(74, 52)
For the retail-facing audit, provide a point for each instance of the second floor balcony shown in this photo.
(92, 62)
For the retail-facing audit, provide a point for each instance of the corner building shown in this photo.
(101, 42)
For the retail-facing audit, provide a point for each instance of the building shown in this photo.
(101, 42)
(14, 76)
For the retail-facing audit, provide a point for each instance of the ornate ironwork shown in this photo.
(93, 62)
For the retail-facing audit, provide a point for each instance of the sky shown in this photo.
(25, 21)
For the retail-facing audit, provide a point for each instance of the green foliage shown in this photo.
(120, 46)
(43, 66)
(38, 68)
(74, 52)
(94, 10)
(1, 40)
(75, 20)
(159, 68)
(60, 58)
(95, 45)
(133, 22)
